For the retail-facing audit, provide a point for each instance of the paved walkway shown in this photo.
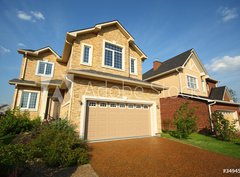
(157, 157)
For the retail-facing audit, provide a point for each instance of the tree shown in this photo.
(233, 94)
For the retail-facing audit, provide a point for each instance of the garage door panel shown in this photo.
(108, 123)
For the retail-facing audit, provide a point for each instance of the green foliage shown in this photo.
(58, 145)
(185, 121)
(12, 156)
(224, 129)
(15, 122)
(233, 95)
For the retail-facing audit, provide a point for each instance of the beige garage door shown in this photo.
(108, 120)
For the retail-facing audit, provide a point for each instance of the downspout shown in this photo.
(210, 115)
(71, 91)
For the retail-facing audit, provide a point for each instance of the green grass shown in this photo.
(210, 144)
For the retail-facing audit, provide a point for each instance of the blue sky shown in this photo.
(162, 29)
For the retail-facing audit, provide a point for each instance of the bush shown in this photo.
(185, 121)
(58, 145)
(12, 155)
(224, 129)
(15, 122)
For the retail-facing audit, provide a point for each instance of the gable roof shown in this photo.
(217, 93)
(36, 52)
(71, 36)
(172, 64)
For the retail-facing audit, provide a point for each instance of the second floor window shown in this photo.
(133, 66)
(113, 56)
(192, 82)
(29, 100)
(45, 68)
(86, 58)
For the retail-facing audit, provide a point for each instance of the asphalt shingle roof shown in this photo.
(169, 64)
(217, 93)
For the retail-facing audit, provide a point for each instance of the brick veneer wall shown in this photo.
(219, 106)
(171, 104)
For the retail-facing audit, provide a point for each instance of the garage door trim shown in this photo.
(153, 110)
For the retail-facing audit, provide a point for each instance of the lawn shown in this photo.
(210, 144)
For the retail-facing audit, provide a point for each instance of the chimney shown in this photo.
(156, 64)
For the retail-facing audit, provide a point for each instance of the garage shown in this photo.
(112, 120)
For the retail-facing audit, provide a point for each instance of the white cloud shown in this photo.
(4, 50)
(224, 64)
(38, 15)
(227, 13)
(33, 16)
(24, 16)
(21, 44)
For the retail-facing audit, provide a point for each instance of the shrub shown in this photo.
(224, 129)
(58, 145)
(185, 121)
(15, 122)
(11, 158)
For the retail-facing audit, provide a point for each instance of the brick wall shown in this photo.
(171, 104)
(224, 107)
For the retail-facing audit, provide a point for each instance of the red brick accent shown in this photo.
(211, 85)
(171, 104)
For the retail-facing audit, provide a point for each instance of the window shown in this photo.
(86, 57)
(28, 100)
(138, 106)
(145, 106)
(92, 104)
(130, 106)
(113, 105)
(103, 105)
(192, 82)
(121, 105)
(113, 56)
(133, 66)
(45, 68)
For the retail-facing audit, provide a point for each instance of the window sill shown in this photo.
(135, 74)
(109, 67)
(42, 75)
(28, 109)
(86, 64)
(193, 89)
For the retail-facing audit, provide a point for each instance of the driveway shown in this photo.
(156, 157)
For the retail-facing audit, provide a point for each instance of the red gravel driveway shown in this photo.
(157, 157)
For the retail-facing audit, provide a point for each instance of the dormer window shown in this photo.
(86, 57)
(113, 56)
(192, 82)
(45, 68)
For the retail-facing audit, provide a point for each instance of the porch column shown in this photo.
(44, 96)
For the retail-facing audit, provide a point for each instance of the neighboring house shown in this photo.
(188, 81)
(96, 84)
(4, 108)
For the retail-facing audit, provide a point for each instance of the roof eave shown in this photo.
(117, 80)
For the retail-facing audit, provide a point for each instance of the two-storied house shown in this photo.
(188, 81)
(96, 84)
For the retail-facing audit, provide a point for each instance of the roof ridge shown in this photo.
(178, 55)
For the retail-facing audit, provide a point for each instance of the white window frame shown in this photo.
(103, 56)
(103, 106)
(27, 108)
(135, 66)
(44, 75)
(90, 54)
(89, 104)
(131, 105)
(111, 106)
(196, 82)
(124, 105)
